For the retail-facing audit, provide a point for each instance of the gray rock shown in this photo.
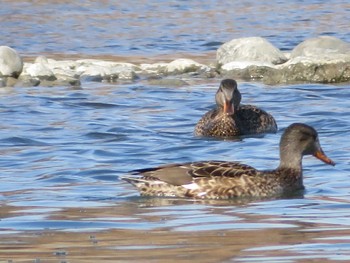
(246, 70)
(321, 47)
(252, 72)
(27, 81)
(6, 82)
(249, 49)
(11, 63)
(311, 69)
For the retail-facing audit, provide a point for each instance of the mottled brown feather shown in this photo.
(224, 180)
(246, 119)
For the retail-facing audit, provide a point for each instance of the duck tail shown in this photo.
(135, 181)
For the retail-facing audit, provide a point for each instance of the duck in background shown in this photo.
(225, 180)
(230, 118)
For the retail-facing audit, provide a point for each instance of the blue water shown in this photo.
(62, 149)
(164, 27)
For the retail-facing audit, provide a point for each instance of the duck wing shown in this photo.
(182, 174)
(203, 126)
(253, 120)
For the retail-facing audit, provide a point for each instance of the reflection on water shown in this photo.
(63, 149)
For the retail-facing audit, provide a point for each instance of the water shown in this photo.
(62, 149)
(163, 27)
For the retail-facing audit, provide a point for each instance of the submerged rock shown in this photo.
(11, 63)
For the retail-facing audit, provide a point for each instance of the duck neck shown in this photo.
(290, 171)
(290, 160)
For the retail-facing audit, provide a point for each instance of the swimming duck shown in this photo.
(230, 118)
(224, 180)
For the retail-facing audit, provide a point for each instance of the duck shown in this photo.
(230, 118)
(230, 180)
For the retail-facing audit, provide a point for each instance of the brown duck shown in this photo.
(224, 180)
(230, 118)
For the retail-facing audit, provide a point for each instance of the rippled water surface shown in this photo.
(63, 149)
(164, 27)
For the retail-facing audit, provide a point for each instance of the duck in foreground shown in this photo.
(224, 180)
(230, 118)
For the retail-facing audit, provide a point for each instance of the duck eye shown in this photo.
(303, 138)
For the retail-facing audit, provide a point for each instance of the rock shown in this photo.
(311, 69)
(244, 64)
(321, 47)
(249, 49)
(49, 72)
(97, 70)
(251, 72)
(246, 70)
(322, 60)
(183, 65)
(95, 73)
(39, 69)
(3, 82)
(156, 68)
(11, 64)
(67, 80)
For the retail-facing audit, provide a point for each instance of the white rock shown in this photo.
(183, 65)
(11, 63)
(106, 70)
(61, 64)
(107, 64)
(93, 70)
(249, 49)
(39, 69)
(324, 59)
(321, 47)
(154, 68)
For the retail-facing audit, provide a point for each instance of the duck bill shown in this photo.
(319, 154)
(228, 108)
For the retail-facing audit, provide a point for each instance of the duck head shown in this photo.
(299, 140)
(228, 96)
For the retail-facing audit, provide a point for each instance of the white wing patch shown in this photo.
(201, 194)
(191, 186)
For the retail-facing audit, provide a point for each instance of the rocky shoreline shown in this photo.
(317, 60)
